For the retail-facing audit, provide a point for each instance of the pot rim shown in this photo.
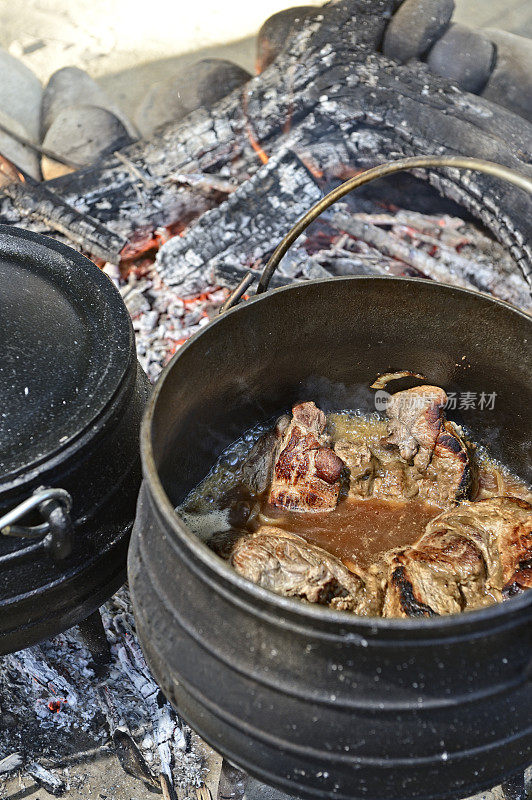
(306, 611)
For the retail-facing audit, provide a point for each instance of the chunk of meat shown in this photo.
(450, 476)
(306, 471)
(286, 564)
(430, 443)
(415, 422)
(444, 573)
(423, 454)
(374, 470)
(468, 557)
(502, 528)
(257, 469)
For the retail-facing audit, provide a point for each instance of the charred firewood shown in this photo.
(329, 80)
(257, 215)
(35, 202)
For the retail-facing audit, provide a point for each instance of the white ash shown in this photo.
(244, 229)
(165, 316)
(10, 763)
(163, 319)
(51, 707)
(46, 778)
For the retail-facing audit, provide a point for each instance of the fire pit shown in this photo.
(177, 220)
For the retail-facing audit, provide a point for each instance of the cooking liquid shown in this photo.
(360, 531)
(357, 531)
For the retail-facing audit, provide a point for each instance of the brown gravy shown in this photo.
(360, 530)
(357, 530)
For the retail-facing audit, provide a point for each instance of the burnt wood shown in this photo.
(330, 81)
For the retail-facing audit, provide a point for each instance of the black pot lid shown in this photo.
(66, 343)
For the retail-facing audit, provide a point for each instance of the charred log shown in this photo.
(330, 80)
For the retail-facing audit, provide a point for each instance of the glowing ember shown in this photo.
(55, 706)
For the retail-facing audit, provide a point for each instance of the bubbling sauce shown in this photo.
(356, 530)
(360, 530)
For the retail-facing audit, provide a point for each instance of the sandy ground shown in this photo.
(130, 44)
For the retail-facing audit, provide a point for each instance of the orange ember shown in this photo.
(55, 706)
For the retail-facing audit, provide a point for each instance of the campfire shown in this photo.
(177, 219)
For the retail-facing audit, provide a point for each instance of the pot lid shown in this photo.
(65, 345)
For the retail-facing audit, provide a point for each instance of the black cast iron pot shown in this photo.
(71, 402)
(316, 702)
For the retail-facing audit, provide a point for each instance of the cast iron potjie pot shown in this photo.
(316, 702)
(72, 396)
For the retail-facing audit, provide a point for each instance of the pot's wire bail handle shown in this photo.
(415, 162)
(54, 506)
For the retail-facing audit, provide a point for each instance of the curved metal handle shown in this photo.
(54, 505)
(458, 162)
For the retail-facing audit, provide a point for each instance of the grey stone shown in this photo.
(22, 157)
(72, 86)
(415, 27)
(274, 32)
(464, 56)
(20, 94)
(199, 85)
(510, 83)
(84, 134)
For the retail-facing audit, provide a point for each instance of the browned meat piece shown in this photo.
(430, 443)
(306, 472)
(359, 459)
(450, 475)
(422, 456)
(502, 528)
(469, 557)
(288, 565)
(374, 470)
(415, 422)
(515, 547)
(258, 468)
(444, 573)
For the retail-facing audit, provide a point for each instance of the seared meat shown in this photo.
(444, 573)
(306, 471)
(430, 443)
(471, 555)
(374, 470)
(287, 564)
(422, 456)
(358, 457)
(502, 529)
(258, 468)
(415, 422)
(450, 475)
(468, 557)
